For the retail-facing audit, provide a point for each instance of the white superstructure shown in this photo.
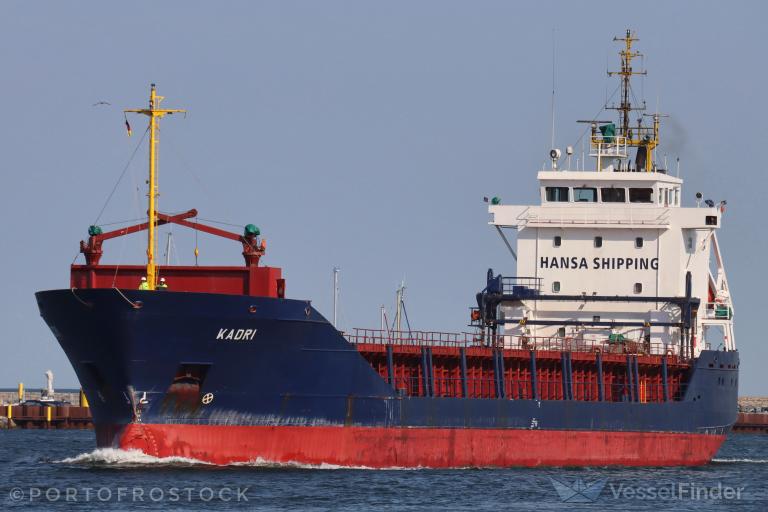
(617, 246)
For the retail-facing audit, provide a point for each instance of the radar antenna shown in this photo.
(644, 138)
(625, 108)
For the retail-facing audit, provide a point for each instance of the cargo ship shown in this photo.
(611, 344)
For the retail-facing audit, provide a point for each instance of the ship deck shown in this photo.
(454, 365)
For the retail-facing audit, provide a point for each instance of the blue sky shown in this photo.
(356, 134)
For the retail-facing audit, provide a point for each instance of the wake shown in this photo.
(114, 457)
(128, 458)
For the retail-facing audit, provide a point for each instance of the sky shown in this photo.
(356, 134)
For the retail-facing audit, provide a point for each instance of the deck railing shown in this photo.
(469, 340)
(576, 344)
(719, 311)
(614, 146)
(598, 214)
(414, 338)
(521, 286)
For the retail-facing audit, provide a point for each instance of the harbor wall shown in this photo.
(11, 396)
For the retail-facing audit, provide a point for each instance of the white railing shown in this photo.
(616, 148)
(599, 215)
(718, 311)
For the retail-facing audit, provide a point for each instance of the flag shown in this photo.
(128, 127)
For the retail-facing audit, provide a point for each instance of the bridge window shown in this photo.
(613, 195)
(585, 195)
(556, 287)
(639, 242)
(557, 194)
(558, 241)
(641, 195)
(638, 287)
(598, 241)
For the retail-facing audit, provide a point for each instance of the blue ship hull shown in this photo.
(290, 368)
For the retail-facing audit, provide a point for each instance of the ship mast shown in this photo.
(625, 108)
(155, 113)
(644, 138)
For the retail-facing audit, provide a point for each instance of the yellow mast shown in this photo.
(155, 113)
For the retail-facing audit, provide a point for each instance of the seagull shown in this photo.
(102, 103)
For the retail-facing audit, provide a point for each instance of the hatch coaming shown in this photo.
(466, 365)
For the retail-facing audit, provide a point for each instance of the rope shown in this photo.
(634, 98)
(109, 198)
(81, 301)
(406, 319)
(136, 196)
(386, 324)
(188, 168)
(121, 221)
(133, 304)
(175, 250)
(596, 115)
(119, 260)
(220, 222)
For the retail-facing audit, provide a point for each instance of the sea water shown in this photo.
(60, 470)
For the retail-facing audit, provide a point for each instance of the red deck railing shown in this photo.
(468, 340)
(414, 338)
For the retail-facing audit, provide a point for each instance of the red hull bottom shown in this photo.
(419, 447)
